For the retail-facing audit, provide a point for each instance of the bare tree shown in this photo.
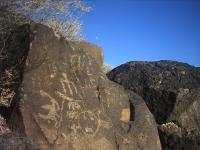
(60, 15)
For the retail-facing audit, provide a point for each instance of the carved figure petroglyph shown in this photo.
(70, 86)
(72, 115)
(73, 106)
(54, 70)
(105, 124)
(75, 76)
(90, 118)
(52, 108)
(86, 122)
(82, 121)
(92, 82)
(76, 61)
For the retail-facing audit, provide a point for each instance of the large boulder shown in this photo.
(144, 128)
(171, 92)
(62, 100)
(59, 103)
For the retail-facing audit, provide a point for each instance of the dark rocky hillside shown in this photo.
(171, 92)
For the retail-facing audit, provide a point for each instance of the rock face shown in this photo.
(3, 126)
(13, 141)
(174, 137)
(61, 104)
(62, 99)
(93, 50)
(186, 116)
(143, 130)
(171, 92)
(157, 82)
(186, 112)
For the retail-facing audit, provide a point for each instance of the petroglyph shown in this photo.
(72, 115)
(75, 128)
(75, 76)
(89, 130)
(70, 86)
(73, 105)
(67, 82)
(87, 122)
(77, 64)
(76, 61)
(103, 77)
(52, 108)
(67, 103)
(105, 124)
(53, 68)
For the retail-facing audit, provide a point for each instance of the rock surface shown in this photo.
(186, 112)
(61, 104)
(93, 50)
(171, 92)
(143, 130)
(63, 100)
(3, 126)
(13, 141)
(157, 82)
(173, 137)
(186, 115)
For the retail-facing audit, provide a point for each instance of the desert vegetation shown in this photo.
(63, 16)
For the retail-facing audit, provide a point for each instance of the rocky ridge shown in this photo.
(171, 91)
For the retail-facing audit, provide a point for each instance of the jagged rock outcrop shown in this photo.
(186, 112)
(171, 92)
(186, 116)
(62, 99)
(173, 137)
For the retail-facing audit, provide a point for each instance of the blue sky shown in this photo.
(149, 30)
